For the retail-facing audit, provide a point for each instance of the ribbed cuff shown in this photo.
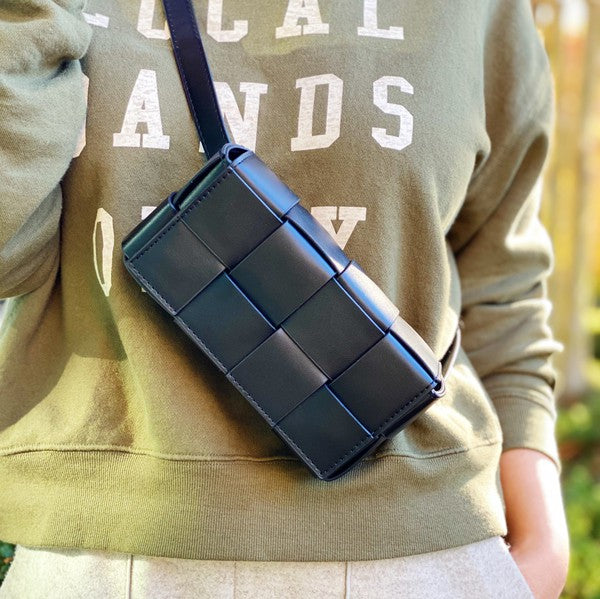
(526, 423)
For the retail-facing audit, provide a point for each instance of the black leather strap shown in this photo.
(195, 75)
(450, 356)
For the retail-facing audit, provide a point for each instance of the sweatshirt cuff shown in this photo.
(526, 423)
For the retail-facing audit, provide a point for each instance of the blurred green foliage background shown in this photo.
(571, 212)
(579, 436)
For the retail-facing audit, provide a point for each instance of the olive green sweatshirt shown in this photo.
(415, 132)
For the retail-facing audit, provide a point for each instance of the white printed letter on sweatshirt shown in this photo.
(143, 107)
(105, 234)
(243, 128)
(380, 99)
(145, 18)
(214, 24)
(371, 29)
(335, 87)
(302, 9)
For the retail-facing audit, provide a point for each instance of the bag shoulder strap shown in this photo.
(195, 75)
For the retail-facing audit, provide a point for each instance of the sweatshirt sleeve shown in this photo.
(504, 254)
(42, 110)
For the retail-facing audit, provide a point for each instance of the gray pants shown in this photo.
(482, 570)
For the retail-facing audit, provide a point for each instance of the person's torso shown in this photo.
(372, 112)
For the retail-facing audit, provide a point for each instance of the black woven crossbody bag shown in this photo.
(268, 295)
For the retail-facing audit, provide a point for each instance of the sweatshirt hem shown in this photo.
(250, 510)
(214, 457)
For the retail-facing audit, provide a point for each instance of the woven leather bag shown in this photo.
(262, 288)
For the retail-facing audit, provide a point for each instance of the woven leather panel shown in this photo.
(299, 328)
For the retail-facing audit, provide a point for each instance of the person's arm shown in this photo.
(537, 528)
(42, 110)
(504, 257)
